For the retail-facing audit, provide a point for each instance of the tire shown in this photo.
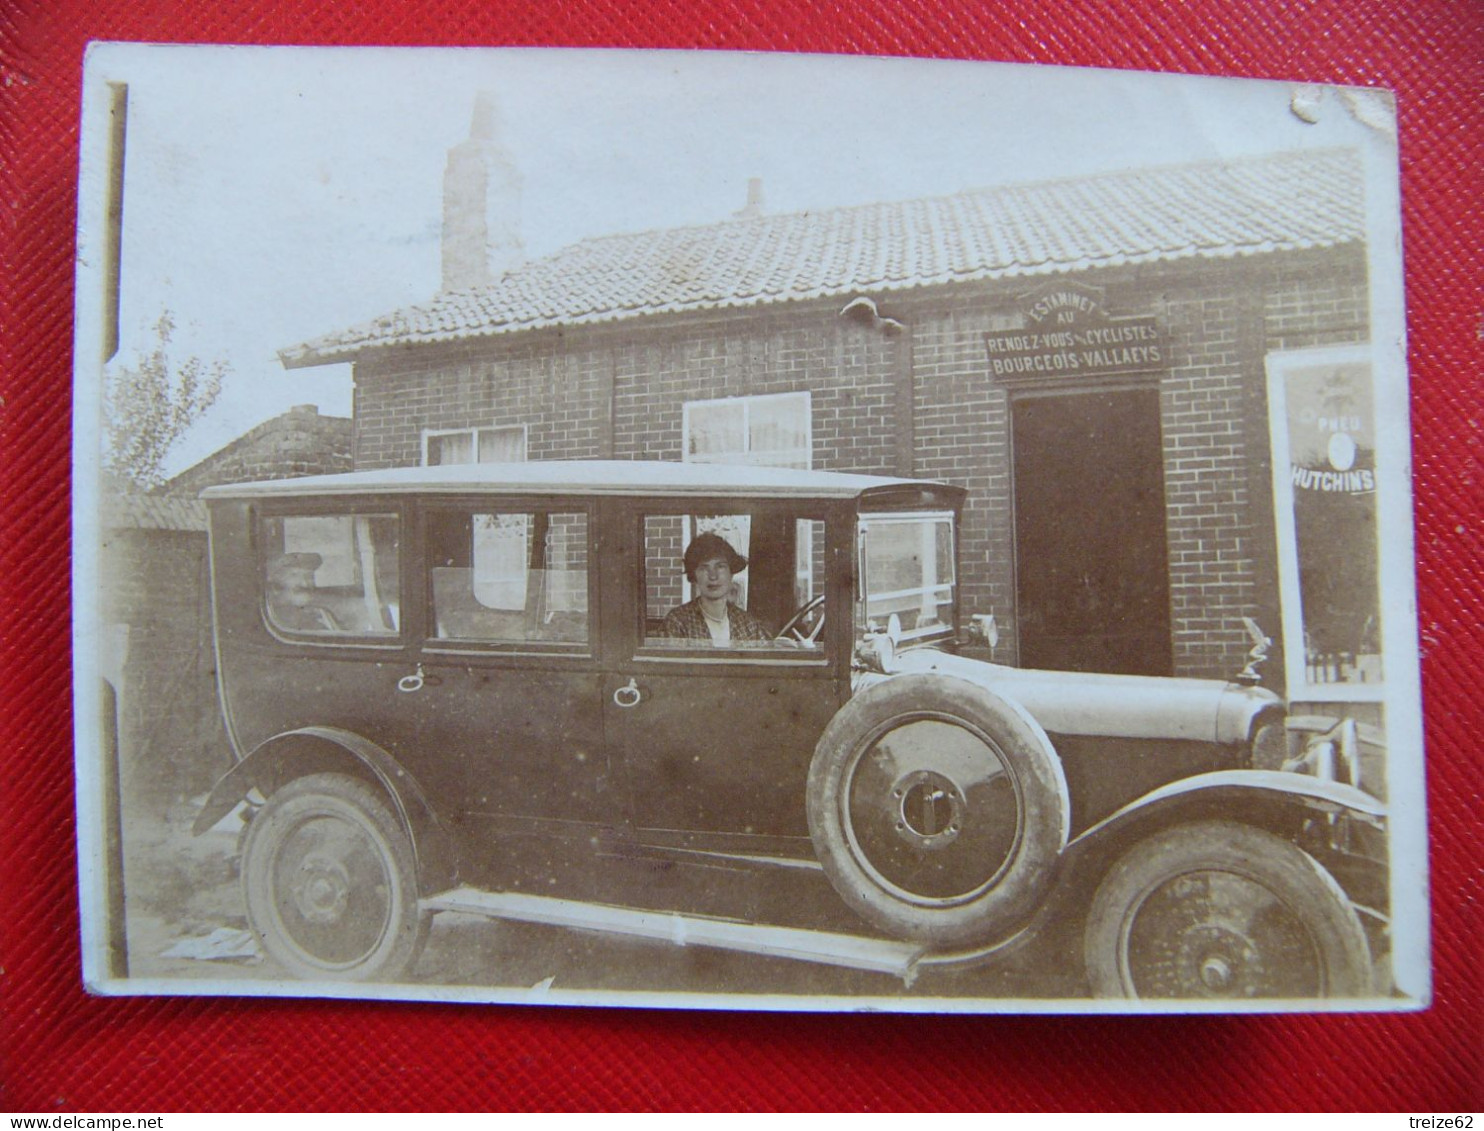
(1221, 910)
(938, 810)
(331, 882)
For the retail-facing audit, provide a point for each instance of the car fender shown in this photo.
(431, 842)
(1274, 798)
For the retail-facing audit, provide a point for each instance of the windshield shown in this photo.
(907, 563)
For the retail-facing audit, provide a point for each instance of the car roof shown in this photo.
(587, 477)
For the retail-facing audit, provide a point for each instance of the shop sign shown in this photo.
(1325, 475)
(1067, 333)
(1331, 430)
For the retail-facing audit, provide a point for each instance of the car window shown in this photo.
(783, 572)
(332, 574)
(907, 572)
(509, 577)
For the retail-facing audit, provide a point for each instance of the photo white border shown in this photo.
(91, 652)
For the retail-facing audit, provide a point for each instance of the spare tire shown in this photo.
(938, 809)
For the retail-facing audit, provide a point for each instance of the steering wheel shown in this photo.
(799, 627)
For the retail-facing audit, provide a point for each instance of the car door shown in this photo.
(508, 679)
(714, 742)
(310, 597)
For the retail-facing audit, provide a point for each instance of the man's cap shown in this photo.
(283, 566)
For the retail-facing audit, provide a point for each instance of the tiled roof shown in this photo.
(133, 510)
(1282, 202)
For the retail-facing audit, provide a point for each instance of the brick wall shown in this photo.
(1222, 546)
(620, 391)
(1207, 506)
(558, 387)
(961, 435)
(556, 390)
(172, 743)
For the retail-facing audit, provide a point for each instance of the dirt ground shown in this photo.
(181, 887)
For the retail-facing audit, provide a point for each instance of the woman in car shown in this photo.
(710, 564)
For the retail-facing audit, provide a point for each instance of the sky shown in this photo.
(276, 194)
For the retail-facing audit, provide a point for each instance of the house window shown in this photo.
(474, 445)
(765, 431)
(762, 431)
(1325, 480)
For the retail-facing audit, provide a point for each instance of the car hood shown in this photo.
(1114, 706)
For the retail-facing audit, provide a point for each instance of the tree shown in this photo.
(149, 406)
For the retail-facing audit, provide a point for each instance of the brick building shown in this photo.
(297, 442)
(1108, 364)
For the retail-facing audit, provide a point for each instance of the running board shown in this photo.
(856, 952)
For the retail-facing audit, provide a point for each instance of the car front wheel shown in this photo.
(1220, 910)
(331, 882)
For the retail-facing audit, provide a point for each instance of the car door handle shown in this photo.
(628, 695)
(413, 682)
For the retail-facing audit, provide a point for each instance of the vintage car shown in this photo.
(456, 689)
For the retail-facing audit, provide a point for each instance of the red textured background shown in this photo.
(60, 1049)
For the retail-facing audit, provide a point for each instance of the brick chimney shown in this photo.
(481, 205)
(754, 206)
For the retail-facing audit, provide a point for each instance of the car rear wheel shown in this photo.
(331, 882)
(938, 810)
(1223, 911)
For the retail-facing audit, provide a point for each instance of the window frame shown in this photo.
(473, 432)
(584, 650)
(762, 655)
(944, 629)
(383, 641)
(746, 403)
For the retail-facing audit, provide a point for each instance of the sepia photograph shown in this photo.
(711, 530)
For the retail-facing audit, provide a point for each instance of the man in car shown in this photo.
(291, 595)
(710, 564)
